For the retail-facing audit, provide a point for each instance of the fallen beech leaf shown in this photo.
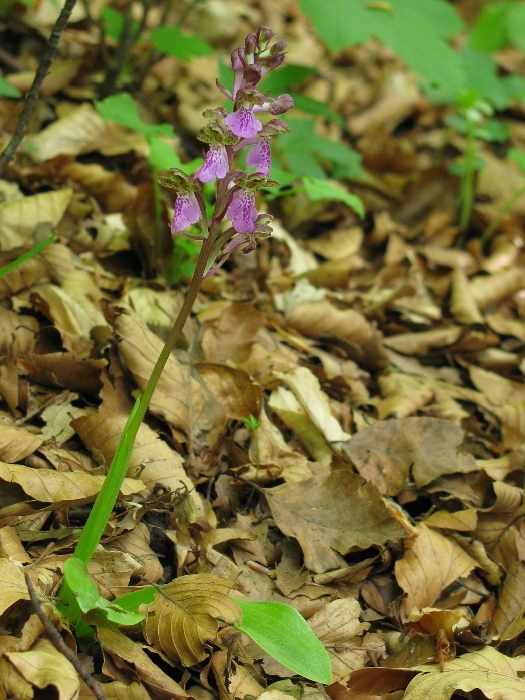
(43, 666)
(16, 444)
(118, 645)
(178, 398)
(233, 389)
(487, 670)
(26, 491)
(431, 563)
(19, 217)
(424, 342)
(329, 515)
(183, 616)
(388, 451)
(13, 587)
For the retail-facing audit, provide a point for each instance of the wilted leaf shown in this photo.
(431, 563)
(233, 389)
(183, 616)
(26, 490)
(329, 515)
(43, 666)
(13, 587)
(487, 670)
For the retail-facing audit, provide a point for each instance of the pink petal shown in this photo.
(242, 212)
(260, 157)
(187, 212)
(215, 164)
(243, 123)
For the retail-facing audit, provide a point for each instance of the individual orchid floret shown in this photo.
(260, 157)
(243, 123)
(215, 164)
(242, 211)
(187, 212)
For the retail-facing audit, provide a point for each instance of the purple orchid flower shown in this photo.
(260, 157)
(187, 212)
(215, 165)
(242, 211)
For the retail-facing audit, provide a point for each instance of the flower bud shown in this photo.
(264, 36)
(278, 47)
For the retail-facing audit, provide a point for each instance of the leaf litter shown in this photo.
(382, 494)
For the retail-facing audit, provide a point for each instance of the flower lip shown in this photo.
(243, 123)
(242, 211)
(187, 212)
(215, 165)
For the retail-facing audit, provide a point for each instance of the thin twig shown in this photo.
(32, 95)
(59, 643)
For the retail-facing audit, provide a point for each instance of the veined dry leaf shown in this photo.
(19, 217)
(497, 389)
(462, 305)
(16, 444)
(316, 319)
(152, 459)
(183, 616)
(372, 683)
(11, 546)
(17, 331)
(23, 277)
(487, 290)
(65, 311)
(26, 491)
(136, 543)
(404, 395)
(513, 425)
(431, 563)
(510, 608)
(487, 670)
(116, 690)
(293, 415)
(120, 646)
(178, 398)
(424, 342)
(338, 627)
(233, 389)
(44, 666)
(330, 514)
(83, 130)
(13, 587)
(460, 520)
(386, 452)
(60, 369)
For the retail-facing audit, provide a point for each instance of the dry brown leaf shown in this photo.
(510, 605)
(118, 645)
(487, 670)
(19, 217)
(424, 342)
(178, 398)
(26, 491)
(183, 616)
(462, 305)
(16, 444)
(329, 515)
(487, 290)
(233, 389)
(460, 520)
(387, 452)
(14, 586)
(43, 666)
(431, 563)
(368, 683)
(136, 543)
(64, 369)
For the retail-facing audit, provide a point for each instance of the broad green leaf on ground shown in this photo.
(487, 670)
(431, 562)
(324, 189)
(123, 110)
(172, 41)
(330, 514)
(183, 616)
(43, 667)
(26, 491)
(389, 452)
(284, 633)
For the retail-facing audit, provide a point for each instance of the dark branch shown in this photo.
(59, 643)
(32, 95)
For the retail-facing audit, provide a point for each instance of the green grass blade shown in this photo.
(26, 256)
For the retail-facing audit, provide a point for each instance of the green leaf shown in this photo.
(88, 597)
(131, 602)
(282, 632)
(518, 157)
(172, 41)
(318, 109)
(323, 189)
(417, 30)
(7, 90)
(285, 78)
(489, 32)
(114, 23)
(516, 25)
(123, 110)
(161, 154)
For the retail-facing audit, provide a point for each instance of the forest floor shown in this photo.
(382, 493)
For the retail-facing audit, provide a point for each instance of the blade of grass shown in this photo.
(26, 256)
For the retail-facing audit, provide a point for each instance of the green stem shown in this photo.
(101, 511)
(467, 187)
(487, 233)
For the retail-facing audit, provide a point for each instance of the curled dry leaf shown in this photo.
(43, 666)
(26, 491)
(238, 396)
(183, 616)
(329, 515)
(487, 670)
(387, 452)
(431, 563)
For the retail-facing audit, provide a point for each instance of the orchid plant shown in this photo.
(227, 135)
